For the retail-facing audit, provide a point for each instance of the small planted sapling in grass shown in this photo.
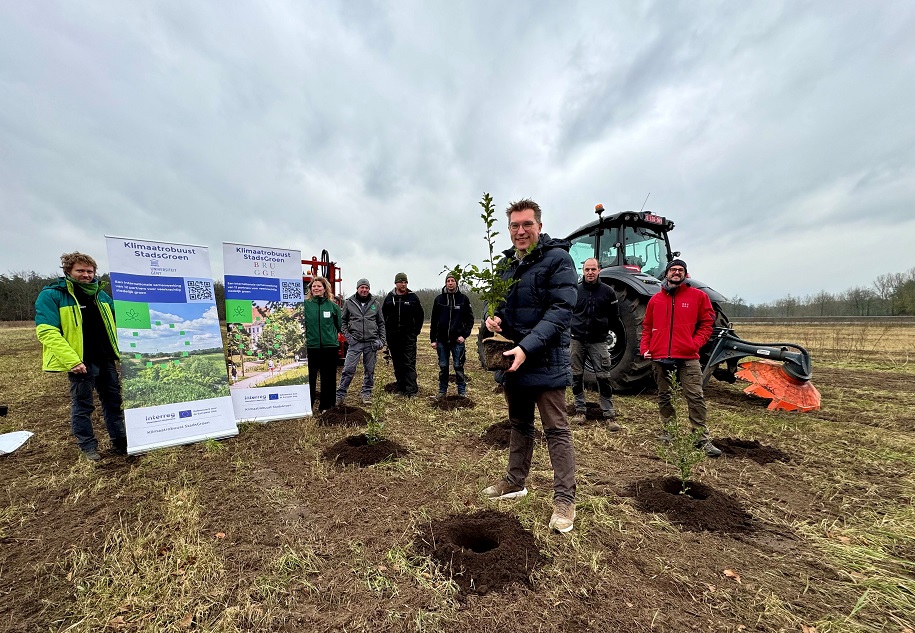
(487, 283)
(680, 447)
(374, 430)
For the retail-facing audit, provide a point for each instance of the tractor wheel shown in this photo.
(629, 372)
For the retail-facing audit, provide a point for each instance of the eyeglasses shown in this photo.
(676, 269)
(527, 224)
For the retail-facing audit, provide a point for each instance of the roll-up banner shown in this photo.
(172, 359)
(268, 366)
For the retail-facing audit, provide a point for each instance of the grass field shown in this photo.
(259, 533)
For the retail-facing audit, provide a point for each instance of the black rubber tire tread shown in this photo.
(629, 373)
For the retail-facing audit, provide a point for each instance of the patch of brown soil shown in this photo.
(498, 435)
(449, 403)
(492, 353)
(391, 387)
(356, 449)
(750, 449)
(484, 551)
(342, 416)
(701, 508)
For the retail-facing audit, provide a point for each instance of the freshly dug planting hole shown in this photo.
(499, 434)
(751, 449)
(701, 508)
(483, 552)
(342, 416)
(356, 449)
(453, 402)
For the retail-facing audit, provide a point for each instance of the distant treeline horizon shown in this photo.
(891, 294)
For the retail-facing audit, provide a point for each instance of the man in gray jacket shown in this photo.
(363, 327)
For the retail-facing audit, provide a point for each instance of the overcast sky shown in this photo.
(779, 136)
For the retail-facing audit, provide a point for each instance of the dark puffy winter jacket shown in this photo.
(678, 325)
(403, 315)
(595, 312)
(537, 312)
(452, 316)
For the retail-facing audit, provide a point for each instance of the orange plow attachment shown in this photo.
(769, 380)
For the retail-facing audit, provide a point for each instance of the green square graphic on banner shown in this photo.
(187, 342)
(184, 353)
(238, 311)
(171, 325)
(132, 315)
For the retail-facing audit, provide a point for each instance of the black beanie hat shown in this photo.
(676, 262)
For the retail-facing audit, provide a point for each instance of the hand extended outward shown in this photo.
(79, 369)
(493, 324)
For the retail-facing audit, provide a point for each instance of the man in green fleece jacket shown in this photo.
(74, 321)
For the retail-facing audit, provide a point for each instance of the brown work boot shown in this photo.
(504, 490)
(563, 519)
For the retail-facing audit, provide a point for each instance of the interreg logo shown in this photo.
(184, 414)
(161, 417)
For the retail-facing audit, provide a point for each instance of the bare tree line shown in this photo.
(892, 294)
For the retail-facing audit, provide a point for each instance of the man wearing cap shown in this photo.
(74, 320)
(452, 321)
(678, 321)
(596, 312)
(403, 320)
(363, 327)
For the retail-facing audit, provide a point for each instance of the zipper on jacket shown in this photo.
(670, 339)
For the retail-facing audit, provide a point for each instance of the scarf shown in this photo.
(90, 288)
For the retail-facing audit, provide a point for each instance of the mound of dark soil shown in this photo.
(453, 402)
(499, 434)
(391, 387)
(485, 551)
(356, 449)
(701, 508)
(342, 416)
(751, 449)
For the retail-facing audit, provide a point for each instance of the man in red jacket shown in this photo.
(678, 322)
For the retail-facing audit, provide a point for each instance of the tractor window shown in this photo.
(582, 248)
(645, 249)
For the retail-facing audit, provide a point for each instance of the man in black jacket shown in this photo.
(403, 319)
(536, 315)
(596, 312)
(452, 321)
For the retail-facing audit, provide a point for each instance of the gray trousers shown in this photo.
(600, 360)
(369, 355)
(552, 406)
(689, 375)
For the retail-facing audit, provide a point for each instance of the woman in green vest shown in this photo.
(322, 327)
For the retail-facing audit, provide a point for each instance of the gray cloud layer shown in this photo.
(777, 135)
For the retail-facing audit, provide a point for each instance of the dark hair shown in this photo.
(521, 205)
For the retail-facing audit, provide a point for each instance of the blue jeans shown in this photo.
(456, 352)
(369, 353)
(101, 376)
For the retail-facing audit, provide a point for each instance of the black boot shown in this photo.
(119, 445)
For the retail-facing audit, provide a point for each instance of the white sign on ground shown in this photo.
(266, 343)
(173, 365)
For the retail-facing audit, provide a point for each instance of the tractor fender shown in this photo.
(714, 295)
(640, 283)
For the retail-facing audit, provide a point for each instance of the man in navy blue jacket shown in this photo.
(536, 315)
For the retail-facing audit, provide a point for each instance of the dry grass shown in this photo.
(259, 533)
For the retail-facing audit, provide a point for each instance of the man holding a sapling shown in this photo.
(678, 321)
(363, 327)
(535, 315)
(595, 313)
(74, 320)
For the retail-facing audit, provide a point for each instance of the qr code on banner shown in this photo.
(290, 291)
(199, 290)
